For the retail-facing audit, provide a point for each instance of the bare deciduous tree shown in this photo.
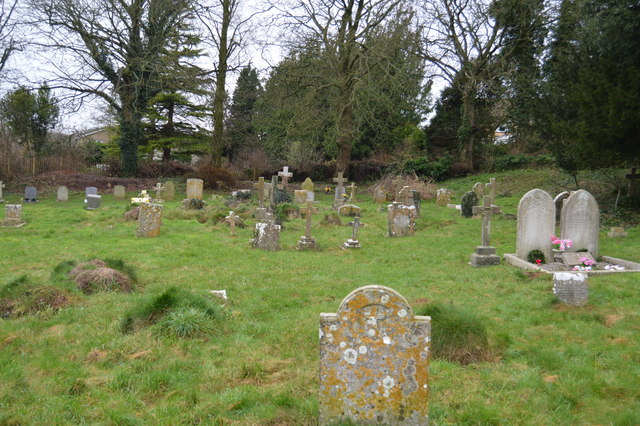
(8, 44)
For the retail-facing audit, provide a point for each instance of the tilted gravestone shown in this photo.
(119, 192)
(62, 194)
(93, 201)
(536, 224)
(13, 216)
(149, 220)
(374, 361)
(571, 288)
(30, 194)
(169, 191)
(469, 200)
(443, 196)
(478, 188)
(580, 222)
(194, 188)
(401, 220)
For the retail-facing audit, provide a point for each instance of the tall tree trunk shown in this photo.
(221, 77)
(169, 130)
(467, 132)
(345, 137)
(130, 135)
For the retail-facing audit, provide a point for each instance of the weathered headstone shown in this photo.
(194, 188)
(536, 224)
(349, 210)
(62, 194)
(149, 220)
(261, 210)
(266, 236)
(2, 186)
(93, 201)
(478, 188)
(169, 191)
(306, 241)
(30, 194)
(580, 222)
(379, 195)
(491, 186)
(307, 185)
(485, 255)
(338, 199)
(300, 196)
(401, 220)
(353, 241)
(443, 196)
(285, 174)
(119, 192)
(405, 196)
(467, 202)
(90, 190)
(13, 216)
(571, 288)
(374, 361)
(617, 231)
(559, 201)
(632, 188)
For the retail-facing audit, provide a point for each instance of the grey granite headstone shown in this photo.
(580, 222)
(62, 194)
(30, 194)
(536, 224)
(571, 288)
(374, 361)
(93, 201)
(469, 200)
(119, 192)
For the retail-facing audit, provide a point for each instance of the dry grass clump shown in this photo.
(102, 279)
(393, 183)
(21, 297)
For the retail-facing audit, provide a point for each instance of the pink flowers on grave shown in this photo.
(585, 264)
(562, 245)
(538, 261)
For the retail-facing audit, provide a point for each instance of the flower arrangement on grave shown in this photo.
(536, 256)
(327, 190)
(559, 244)
(586, 264)
(345, 196)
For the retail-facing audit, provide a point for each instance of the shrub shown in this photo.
(215, 177)
(456, 335)
(158, 169)
(421, 166)
(154, 310)
(534, 255)
(510, 162)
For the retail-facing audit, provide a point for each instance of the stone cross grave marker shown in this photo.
(632, 188)
(338, 199)
(119, 192)
(492, 191)
(194, 188)
(169, 191)
(307, 241)
(353, 241)
(93, 202)
(536, 224)
(485, 255)
(62, 194)
(401, 220)
(580, 222)
(149, 220)
(285, 174)
(1, 187)
(30, 194)
(13, 216)
(232, 219)
(159, 188)
(374, 360)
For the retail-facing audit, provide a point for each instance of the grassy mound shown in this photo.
(97, 275)
(175, 312)
(456, 335)
(21, 297)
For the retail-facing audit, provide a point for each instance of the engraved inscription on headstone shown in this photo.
(536, 224)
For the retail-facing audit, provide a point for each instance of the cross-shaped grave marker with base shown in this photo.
(232, 220)
(340, 190)
(159, 188)
(353, 241)
(285, 174)
(485, 255)
(307, 241)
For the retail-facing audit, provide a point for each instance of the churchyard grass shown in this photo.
(550, 363)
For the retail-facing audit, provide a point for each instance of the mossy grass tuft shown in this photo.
(456, 335)
(23, 297)
(176, 311)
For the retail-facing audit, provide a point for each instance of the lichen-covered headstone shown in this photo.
(536, 224)
(617, 231)
(580, 222)
(379, 195)
(194, 188)
(149, 220)
(169, 191)
(405, 196)
(349, 210)
(307, 185)
(374, 361)
(266, 236)
(13, 216)
(93, 201)
(62, 194)
(469, 200)
(401, 220)
(443, 196)
(119, 192)
(571, 288)
(478, 188)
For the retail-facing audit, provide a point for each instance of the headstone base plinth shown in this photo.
(349, 244)
(261, 213)
(305, 243)
(485, 256)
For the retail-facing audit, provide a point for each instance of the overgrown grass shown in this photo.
(551, 364)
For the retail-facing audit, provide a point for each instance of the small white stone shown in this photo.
(342, 345)
(425, 386)
(386, 340)
(351, 356)
(384, 299)
(330, 337)
(427, 339)
(372, 321)
(333, 327)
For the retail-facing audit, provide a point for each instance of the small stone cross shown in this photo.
(285, 174)
(340, 180)
(159, 188)
(260, 186)
(308, 211)
(356, 227)
(492, 190)
(231, 220)
(631, 177)
(486, 210)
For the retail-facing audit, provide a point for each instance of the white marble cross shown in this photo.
(285, 174)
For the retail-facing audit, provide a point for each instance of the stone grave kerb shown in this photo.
(374, 360)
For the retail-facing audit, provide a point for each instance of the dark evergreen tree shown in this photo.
(241, 133)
